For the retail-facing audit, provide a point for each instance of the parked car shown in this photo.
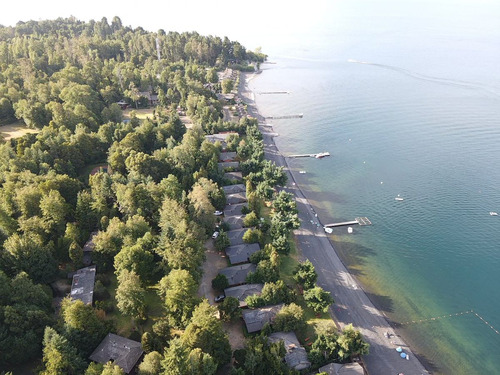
(219, 298)
(215, 235)
(218, 213)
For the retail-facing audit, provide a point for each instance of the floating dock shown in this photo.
(300, 115)
(358, 220)
(317, 156)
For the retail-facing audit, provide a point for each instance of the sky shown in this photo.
(249, 23)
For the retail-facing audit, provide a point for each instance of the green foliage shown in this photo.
(220, 282)
(178, 290)
(25, 310)
(351, 343)
(59, 357)
(151, 364)
(229, 309)
(130, 295)
(289, 318)
(205, 332)
(111, 369)
(251, 220)
(262, 357)
(272, 294)
(305, 274)
(318, 299)
(252, 236)
(227, 86)
(222, 241)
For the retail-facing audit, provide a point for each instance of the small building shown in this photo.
(241, 253)
(241, 292)
(150, 96)
(121, 351)
(296, 355)
(88, 248)
(228, 156)
(82, 286)
(234, 209)
(256, 318)
(233, 189)
(233, 176)
(219, 137)
(236, 236)
(342, 369)
(237, 275)
(123, 104)
(236, 198)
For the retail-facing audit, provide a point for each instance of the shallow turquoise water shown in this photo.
(427, 129)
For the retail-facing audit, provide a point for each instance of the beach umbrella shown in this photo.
(399, 349)
(403, 355)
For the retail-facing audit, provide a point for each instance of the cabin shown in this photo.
(236, 236)
(234, 222)
(236, 198)
(233, 176)
(241, 253)
(241, 292)
(88, 248)
(237, 275)
(296, 355)
(82, 286)
(119, 350)
(228, 156)
(255, 319)
(342, 369)
(234, 209)
(233, 189)
(233, 165)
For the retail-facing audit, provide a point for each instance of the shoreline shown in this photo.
(352, 305)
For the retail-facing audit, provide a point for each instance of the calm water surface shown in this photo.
(407, 104)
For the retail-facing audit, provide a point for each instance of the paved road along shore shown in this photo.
(351, 303)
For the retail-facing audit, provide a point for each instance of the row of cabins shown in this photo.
(239, 254)
(123, 352)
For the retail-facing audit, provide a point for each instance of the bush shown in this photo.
(245, 210)
(251, 220)
(318, 299)
(252, 236)
(290, 318)
(229, 309)
(220, 282)
(222, 242)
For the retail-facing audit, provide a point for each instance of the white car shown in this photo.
(215, 235)
(218, 213)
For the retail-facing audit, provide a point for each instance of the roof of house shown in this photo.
(256, 318)
(236, 236)
(234, 209)
(241, 253)
(221, 137)
(233, 176)
(234, 222)
(229, 164)
(82, 286)
(122, 351)
(227, 156)
(241, 292)
(342, 369)
(231, 189)
(296, 355)
(237, 274)
(236, 198)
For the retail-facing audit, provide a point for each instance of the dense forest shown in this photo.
(151, 208)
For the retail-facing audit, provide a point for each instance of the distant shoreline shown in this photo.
(381, 349)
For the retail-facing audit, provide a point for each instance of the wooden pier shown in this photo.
(273, 92)
(358, 220)
(300, 115)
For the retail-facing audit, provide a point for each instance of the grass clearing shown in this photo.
(141, 113)
(15, 130)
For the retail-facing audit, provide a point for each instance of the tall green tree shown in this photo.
(59, 357)
(130, 295)
(318, 299)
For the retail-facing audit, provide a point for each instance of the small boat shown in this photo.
(399, 199)
(493, 213)
(302, 172)
(322, 155)
(349, 229)
(328, 230)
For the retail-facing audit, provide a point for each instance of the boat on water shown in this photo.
(328, 230)
(492, 213)
(322, 155)
(398, 198)
(302, 172)
(349, 230)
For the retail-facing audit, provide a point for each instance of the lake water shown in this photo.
(406, 98)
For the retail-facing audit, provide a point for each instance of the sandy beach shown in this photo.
(352, 305)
